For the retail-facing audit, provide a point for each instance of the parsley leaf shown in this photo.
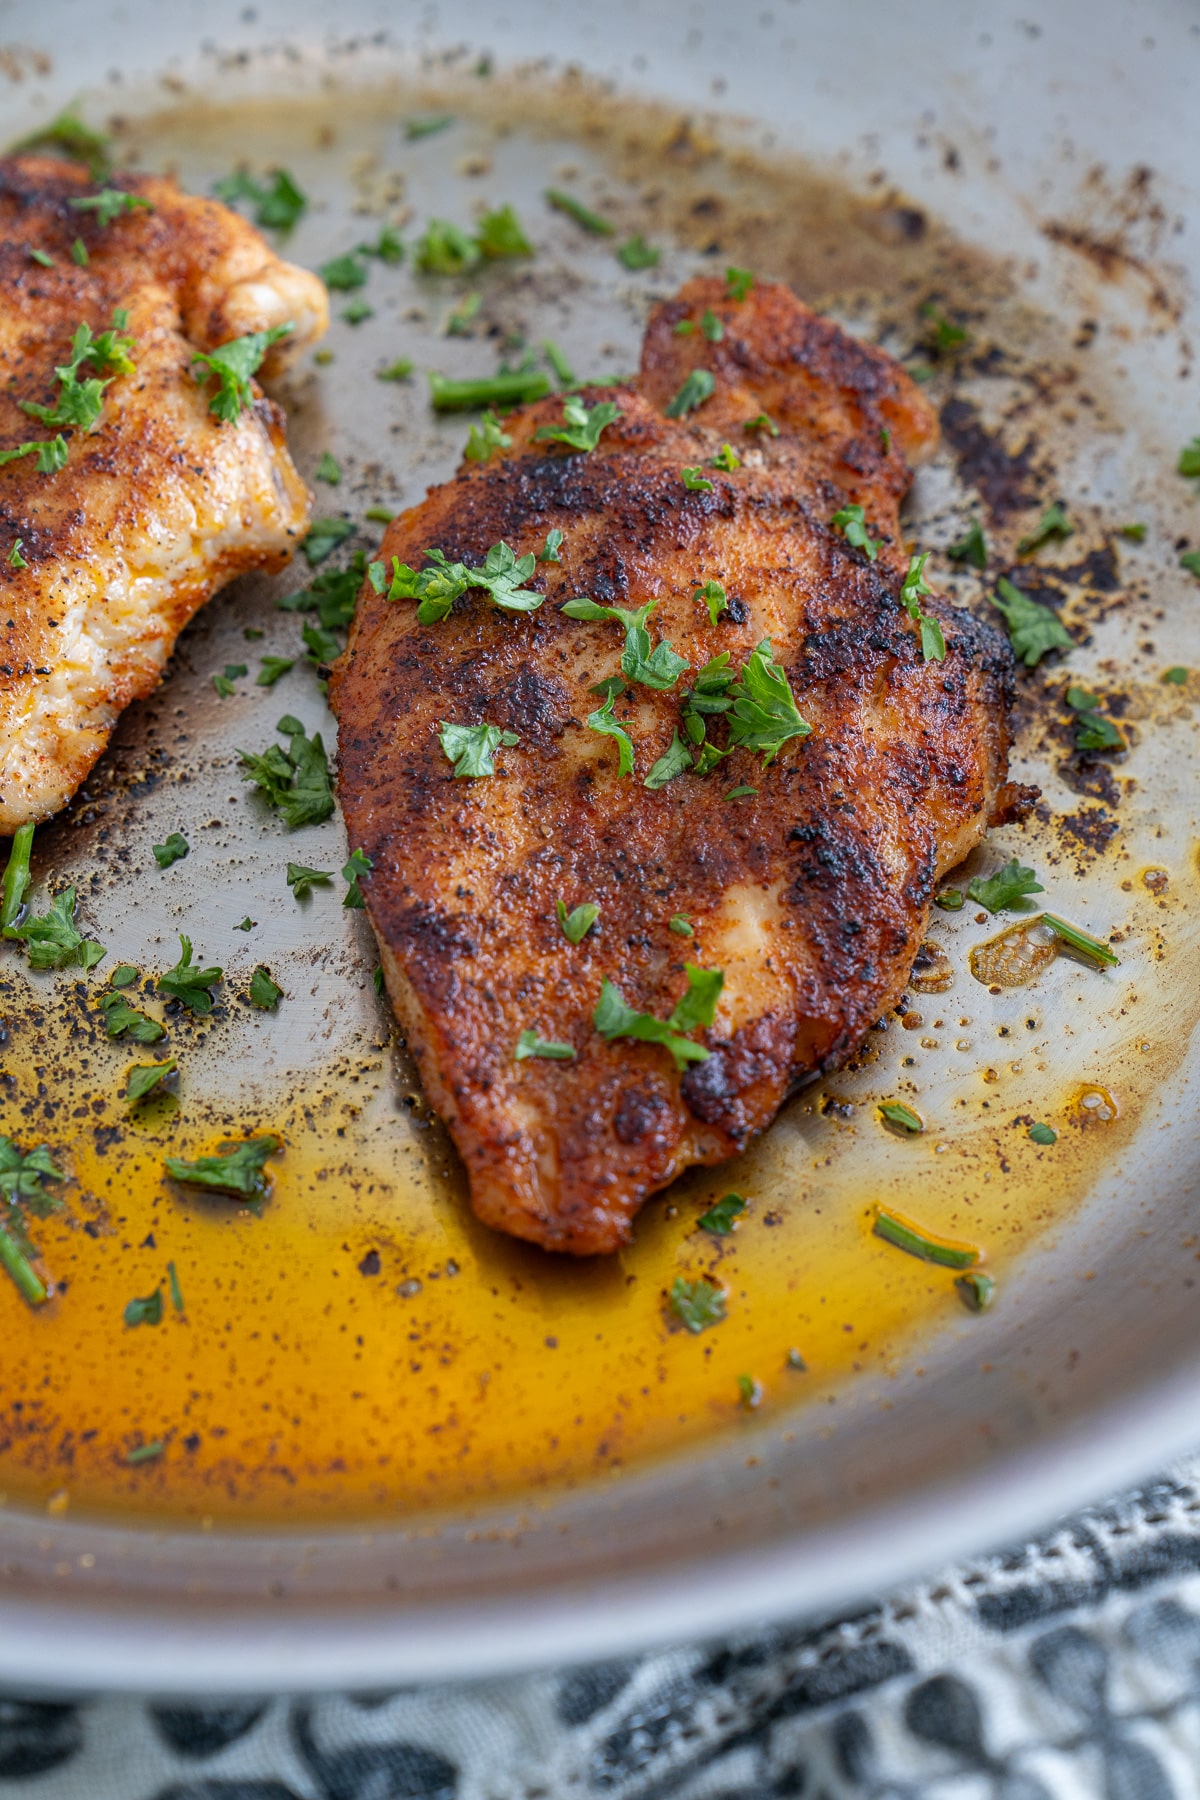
(738, 283)
(674, 760)
(273, 667)
(582, 425)
(726, 458)
(76, 140)
(499, 234)
(263, 992)
(400, 370)
(52, 940)
(472, 748)
(324, 536)
(51, 454)
(1092, 731)
(764, 715)
(239, 1170)
(1004, 888)
(22, 1173)
(912, 592)
(233, 364)
(707, 699)
(437, 587)
(695, 481)
(359, 864)
(485, 437)
(423, 128)
(614, 1019)
(301, 880)
(174, 850)
(388, 246)
(582, 215)
(681, 925)
(851, 522)
(698, 387)
(1033, 630)
(327, 470)
(296, 780)
(944, 334)
(602, 720)
(123, 1020)
(659, 668)
(445, 249)
(145, 1077)
(971, 547)
(15, 559)
(712, 327)
(697, 1304)
(1042, 1134)
(636, 253)
(1189, 458)
(278, 206)
(109, 204)
(530, 1044)
(145, 1312)
(80, 402)
(760, 422)
(713, 596)
(1054, 523)
(1191, 562)
(333, 595)
(554, 542)
(721, 1218)
(896, 1113)
(576, 924)
(1177, 676)
(344, 273)
(188, 982)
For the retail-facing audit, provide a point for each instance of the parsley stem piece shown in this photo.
(894, 1229)
(16, 878)
(530, 1044)
(1081, 941)
(515, 388)
(698, 387)
(20, 1270)
(582, 215)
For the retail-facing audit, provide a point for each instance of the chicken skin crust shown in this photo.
(811, 891)
(159, 504)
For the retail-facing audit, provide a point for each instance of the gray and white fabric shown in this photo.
(1068, 1669)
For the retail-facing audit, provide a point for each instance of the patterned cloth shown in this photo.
(1066, 1670)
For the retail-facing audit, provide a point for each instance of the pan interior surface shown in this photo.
(448, 1452)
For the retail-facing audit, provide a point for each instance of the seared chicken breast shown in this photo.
(159, 503)
(801, 865)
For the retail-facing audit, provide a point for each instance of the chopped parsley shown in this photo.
(912, 592)
(80, 402)
(302, 880)
(279, 205)
(513, 387)
(761, 422)
(976, 1290)
(499, 234)
(944, 334)
(971, 547)
(272, 668)
(79, 254)
(582, 215)
(1054, 523)
(51, 453)
(675, 759)
(741, 793)
(764, 714)
(602, 720)
(576, 924)
(380, 515)
(1033, 630)
(1042, 1134)
(582, 425)
(1092, 730)
(530, 1044)
(738, 283)
(472, 748)
(950, 900)
(708, 698)
(485, 437)
(906, 1236)
(232, 365)
(327, 470)
(636, 253)
(174, 850)
(43, 258)
(356, 312)
(388, 246)
(124, 975)
(175, 1289)
(459, 321)
(145, 1312)
(246, 924)
(440, 584)
(76, 140)
(145, 1077)
(563, 372)
(188, 982)
(1189, 458)
(445, 249)
(17, 877)
(344, 273)
(15, 559)
(750, 1392)
(423, 128)
(400, 370)
(712, 327)
(695, 481)
(1176, 676)
(109, 204)
(123, 1020)
(554, 543)
(851, 522)
(659, 668)
(359, 864)
(902, 1116)
(22, 1178)
(681, 925)
(685, 328)
(296, 780)
(1190, 561)
(721, 1219)
(323, 538)
(144, 1453)
(1136, 532)
(1082, 941)
(726, 458)
(614, 1019)
(332, 595)
(714, 598)
(263, 992)
(697, 1304)
(698, 387)
(1005, 887)
(238, 1170)
(52, 940)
